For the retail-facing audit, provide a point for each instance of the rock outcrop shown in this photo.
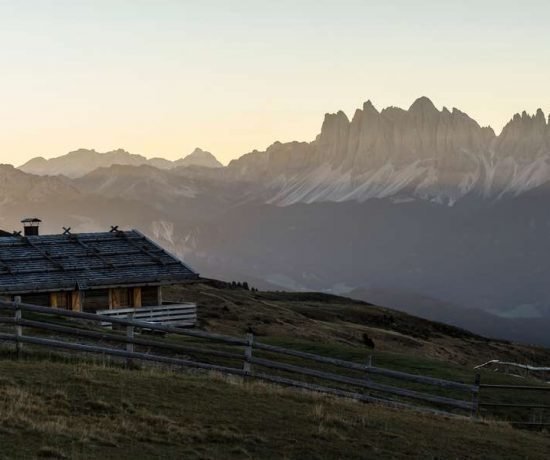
(440, 155)
(198, 157)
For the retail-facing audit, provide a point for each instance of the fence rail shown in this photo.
(244, 362)
(180, 315)
(535, 411)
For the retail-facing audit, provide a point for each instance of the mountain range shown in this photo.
(419, 209)
(83, 161)
(422, 152)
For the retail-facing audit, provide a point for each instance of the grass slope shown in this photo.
(330, 321)
(57, 410)
(65, 408)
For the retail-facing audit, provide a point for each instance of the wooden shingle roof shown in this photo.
(86, 260)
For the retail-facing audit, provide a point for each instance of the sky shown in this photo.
(161, 77)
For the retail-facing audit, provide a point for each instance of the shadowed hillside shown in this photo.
(332, 320)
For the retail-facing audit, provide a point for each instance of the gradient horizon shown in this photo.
(160, 78)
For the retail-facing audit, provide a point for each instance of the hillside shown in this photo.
(328, 321)
(78, 411)
(59, 405)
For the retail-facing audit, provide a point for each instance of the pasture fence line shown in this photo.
(255, 359)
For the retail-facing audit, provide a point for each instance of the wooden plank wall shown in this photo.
(136, 301)
(76, 303)
(114, 298)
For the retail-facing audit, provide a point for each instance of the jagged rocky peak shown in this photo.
(423, 105)
(334, 133)
(525, 136)
(430, 153)
(398, 137)
(368, 107)
(199, 157)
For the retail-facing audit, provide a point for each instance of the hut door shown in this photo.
(121, 298)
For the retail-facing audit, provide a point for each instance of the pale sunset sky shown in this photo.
(160, 77)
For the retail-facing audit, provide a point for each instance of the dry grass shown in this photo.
(77, 409)
(56, 410)
(322, 319)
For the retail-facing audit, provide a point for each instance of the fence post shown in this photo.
(367, 374)
(18, 327)
(475, 396)
(369, 364)
(130, 335)
(248, 353)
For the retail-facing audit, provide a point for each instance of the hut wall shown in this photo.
(150, 296)
(38, 298)
(95, 299)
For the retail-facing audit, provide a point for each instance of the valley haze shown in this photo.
(419, 209)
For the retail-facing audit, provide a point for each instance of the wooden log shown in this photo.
(129, 336)
(530, 423)
(53, 299)
(348, 394)
(475, 397)
(124, 322)
(161, 318)
(364, 384)
(512, 405)
(515, 387)
(159, 295)
(248, 353)
(364, 368)
(76, 301)
(136, 301)
(369, 365)
(122, 353)
(18, 328)
(120, 338)
(222, 369)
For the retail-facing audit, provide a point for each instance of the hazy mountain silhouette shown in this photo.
(83, 161)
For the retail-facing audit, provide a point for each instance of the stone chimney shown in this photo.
(31, 226)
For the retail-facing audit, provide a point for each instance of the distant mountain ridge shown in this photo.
(83, 161)
(423, 152)
(419, 153)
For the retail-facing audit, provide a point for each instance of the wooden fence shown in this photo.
(537, 412)
(246, 357)
(516, 369)
(176, 314)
